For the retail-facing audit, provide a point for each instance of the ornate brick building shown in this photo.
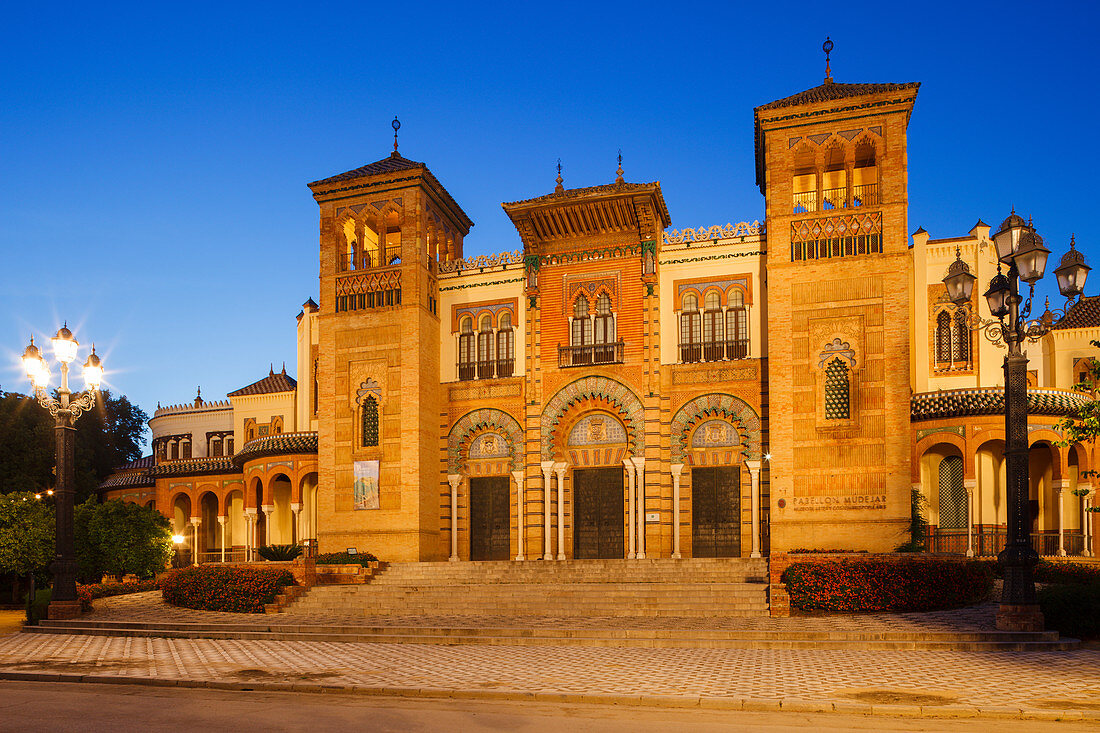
(618, 389)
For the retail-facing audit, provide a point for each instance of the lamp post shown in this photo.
(1021, 250)
(65, 408)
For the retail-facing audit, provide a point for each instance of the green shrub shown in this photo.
(220, 588)
(88, 593)
(343, 558)
(39, 607)
(880, 585)
(1073, 609)
(1066, 572)
(280, 552)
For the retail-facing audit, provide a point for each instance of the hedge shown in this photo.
(880, 585)
(343, 558)
(88, 593)
(217, 588)
(1073, 609)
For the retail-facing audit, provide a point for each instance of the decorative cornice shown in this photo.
(482, 261)
(708, 234)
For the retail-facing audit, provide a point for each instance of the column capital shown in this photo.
(559, 468)
(676, 469)
(753, 465)
(547, 466)
(196, 520)
(454, 479)
(639, 462)
(518, 477)
(295, 507)
(267, 508)
(250, 511)
(222, 520)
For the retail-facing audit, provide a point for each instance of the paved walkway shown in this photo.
(11, 621)
(1035, 684)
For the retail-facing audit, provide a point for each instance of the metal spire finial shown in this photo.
(620, 171)
(396, 125)
(559, 188)
(827, 47)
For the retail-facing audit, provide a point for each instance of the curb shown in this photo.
(793, 705)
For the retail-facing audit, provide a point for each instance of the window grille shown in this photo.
(691, 332)
(943, 337)
(961, 350)
(370, 422)
(581, 332)
(467, 343)
(952, 494)
(605, 323)
(837, 406)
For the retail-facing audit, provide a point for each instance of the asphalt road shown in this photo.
(40, 706)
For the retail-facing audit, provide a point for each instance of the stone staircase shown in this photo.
(570, 588)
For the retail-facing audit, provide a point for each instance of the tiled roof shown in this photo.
(390, 164)
(193, 467)
(276, 445)
(134, 478)
(270, 384)
(143, 462)
(990, 401)
(830, 91)
(573, 193)
(1085, 313)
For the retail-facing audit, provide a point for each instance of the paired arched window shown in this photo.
(592, 333)
(837, 390)
(716, 332)
(952, 340)
(505, 346)
(580, 330)
(369, 422)
(841, 177)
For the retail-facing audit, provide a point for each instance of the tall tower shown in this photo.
(384, 229)
(831, 163)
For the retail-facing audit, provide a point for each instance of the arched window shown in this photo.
(186, 449)
(350, 246)
(505, 346)
(370, 247)
(369, 418)
(865, 176)
(805, 180)
(467, 358)
(834, 181)
(952, 494)
(943, 337)
(961, 350)
(393, 245)
(581, 330)
(837, 406)
(737, 327)
(604, 352)
(713, 327)
(485, 349)
(229, 446)
(216, 447)
(691, 332)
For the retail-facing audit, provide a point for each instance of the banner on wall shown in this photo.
(365, 485)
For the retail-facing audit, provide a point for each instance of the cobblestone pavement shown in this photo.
(149, 607)
(999, 681)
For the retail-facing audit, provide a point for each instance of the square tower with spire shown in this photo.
(831, 163)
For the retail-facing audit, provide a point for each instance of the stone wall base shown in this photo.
(63, 610)
(1019, 618)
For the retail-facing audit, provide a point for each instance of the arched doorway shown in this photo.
(281, 531)
(596, 445)
(235, 526)
(715, 488)
(489, 496)
(307, 524)
(209, 530)
(181, 527)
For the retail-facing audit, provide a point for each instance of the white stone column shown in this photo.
(196, 522)
(754, 482)
(221, 521)
(677, 468)
(1086, 522)
(546, 467)
(970, 485)
(559, 469)
(268, 509)
(454, 480)
(639, 464)
(521, 514)
(249, 530)
(1058, 490)
(628, 464)
(295, 526)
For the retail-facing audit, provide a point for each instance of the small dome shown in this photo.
(1013, 220)
(1073, 257)
(64, 333)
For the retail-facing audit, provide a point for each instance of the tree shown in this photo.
(26, 534)
(1084, 425)
(119, 538)
(107, 436)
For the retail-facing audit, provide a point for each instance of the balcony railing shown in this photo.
(588, 354)
(836, 198)
(493, 368)
(385, 256)
(988, 541)
(714, 350)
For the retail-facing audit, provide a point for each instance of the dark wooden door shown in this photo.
(598, 513)
(489, 514)
(716, 511)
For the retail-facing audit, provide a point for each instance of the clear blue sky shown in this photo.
(153, 159)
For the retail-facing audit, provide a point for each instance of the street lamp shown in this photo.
(1021, 250)
(65, 408)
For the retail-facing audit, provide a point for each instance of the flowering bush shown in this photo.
(219, 588)
(88, 593)
(343, 558)
(882, 585)
(1066, 572)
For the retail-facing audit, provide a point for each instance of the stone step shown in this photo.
(565, 636)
